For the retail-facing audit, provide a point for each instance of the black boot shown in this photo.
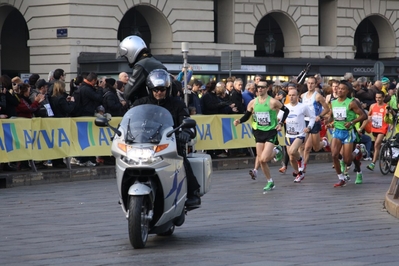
(193, 199)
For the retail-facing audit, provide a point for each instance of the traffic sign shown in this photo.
(230, 60)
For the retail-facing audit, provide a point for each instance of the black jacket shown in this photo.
(211, 104)
(195, 101)
(90, 99)
(136, 86)
(111, 102)
(60, 106)
(236, 97)
(12, 101)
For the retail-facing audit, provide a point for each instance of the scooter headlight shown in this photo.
(140, 156)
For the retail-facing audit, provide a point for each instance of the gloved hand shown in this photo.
(184, 137)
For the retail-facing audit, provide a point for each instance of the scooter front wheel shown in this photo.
(138, 221)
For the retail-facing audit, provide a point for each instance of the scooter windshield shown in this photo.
(146, 123)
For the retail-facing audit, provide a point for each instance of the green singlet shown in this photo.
(342, 114)
(264, 117)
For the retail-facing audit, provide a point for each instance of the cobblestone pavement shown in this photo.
(310, 223)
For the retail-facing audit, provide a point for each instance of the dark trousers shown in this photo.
(192, 183)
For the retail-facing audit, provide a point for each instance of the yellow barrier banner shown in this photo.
(51, 138)
(219, 132)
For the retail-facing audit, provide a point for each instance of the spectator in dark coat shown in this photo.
(90, 95)
(12, 101)
(90, 98)
(193, 97)
(111, 101)
(211, 104)
(61, 104)
(236, 95)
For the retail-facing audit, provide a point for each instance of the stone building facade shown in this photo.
(38, 36)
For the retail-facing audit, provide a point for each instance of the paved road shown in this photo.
(312, 223)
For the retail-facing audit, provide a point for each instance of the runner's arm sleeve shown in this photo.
(286, 111)
(246, 116)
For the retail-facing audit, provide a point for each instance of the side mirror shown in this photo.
(188, 123)
(103, 122)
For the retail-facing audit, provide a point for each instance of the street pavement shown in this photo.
(310, 223)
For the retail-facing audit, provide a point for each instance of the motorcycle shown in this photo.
(150, 174)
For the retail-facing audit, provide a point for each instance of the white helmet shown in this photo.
(130, 48)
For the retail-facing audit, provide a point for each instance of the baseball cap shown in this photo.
(40, 83)
(385, 80)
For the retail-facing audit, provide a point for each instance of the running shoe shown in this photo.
(341, 183)
(282, 169)
(327, 143)
(294, 174)
(304, 167)
(300, 163)
(299, 178)
(363, 150)
(88, 163)
(367, 159)
(371, 166)
(347, 177)
(359, 178)
(269, 186)
(253, 173)
(74, 161)
(279, 154)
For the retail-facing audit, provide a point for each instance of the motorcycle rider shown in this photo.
(134, 49)
(159, 86)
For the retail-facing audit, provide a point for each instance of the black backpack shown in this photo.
(77, 110)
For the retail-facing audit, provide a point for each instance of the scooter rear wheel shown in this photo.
(138, 221)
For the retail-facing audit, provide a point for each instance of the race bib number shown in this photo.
(339, 113)
(263, 118)
(376, 120)
(292, 128)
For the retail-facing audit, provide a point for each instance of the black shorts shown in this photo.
(376, 134)
(266, 136)
(316, 128)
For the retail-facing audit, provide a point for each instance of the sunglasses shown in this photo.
(159, 89)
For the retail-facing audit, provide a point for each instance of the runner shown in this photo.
(264, 109)
(344, 118)
(317, 104)
(297, 130)
(379, 128)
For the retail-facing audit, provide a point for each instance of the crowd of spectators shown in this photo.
(89, 93)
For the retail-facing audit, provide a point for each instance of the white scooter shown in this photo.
(150, 175)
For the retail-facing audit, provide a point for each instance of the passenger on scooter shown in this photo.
(159, 86)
